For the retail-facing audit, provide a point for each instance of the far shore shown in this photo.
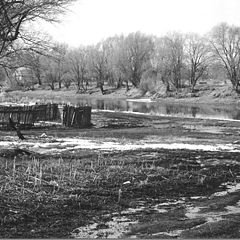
(64, 95)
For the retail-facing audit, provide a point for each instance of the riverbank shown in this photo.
(127, 176)
(217, 94)
(144, 105)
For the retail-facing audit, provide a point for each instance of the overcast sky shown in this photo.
(90, 21)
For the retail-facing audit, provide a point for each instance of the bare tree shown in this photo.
(78, 65)
(161, 61)
(110, 46)
(225, 42)
(98, 64)
(34, 61)
(197, 58)
(59, 57)
(51, 78)
(2, 76)
(55, 66)
(137, 49)
(120, 62)
(174, 43)
(14, 14)
(167, 59)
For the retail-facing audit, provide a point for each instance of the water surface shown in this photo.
(146, 106)
(162, 108)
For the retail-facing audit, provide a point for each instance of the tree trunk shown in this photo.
(167, 87)
(86, 84)
(127, 86)
(236, 88)
(101, 88)
(119, 83)
(83, 87)
(51, 86)
(193, 88)
(38, 75)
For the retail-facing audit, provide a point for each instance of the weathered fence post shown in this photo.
(77, 117)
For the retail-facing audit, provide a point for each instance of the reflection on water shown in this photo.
(153, 108)
(160, 108)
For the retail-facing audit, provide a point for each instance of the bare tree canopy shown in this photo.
(225, 41)
(197, 57)
(168, 59)
(78, 67)
(134, 56)
(14, 13)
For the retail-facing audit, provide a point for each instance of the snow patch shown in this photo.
(61, 144)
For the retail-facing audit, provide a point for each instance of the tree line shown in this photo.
(139, 60)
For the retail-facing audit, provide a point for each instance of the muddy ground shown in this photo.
(126, 176)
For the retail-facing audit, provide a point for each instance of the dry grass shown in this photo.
(38, 190)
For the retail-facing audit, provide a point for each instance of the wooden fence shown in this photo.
(23, 116)
(46, 112)
(26, 116)
(77, 117)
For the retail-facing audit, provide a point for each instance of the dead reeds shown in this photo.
(98, 181)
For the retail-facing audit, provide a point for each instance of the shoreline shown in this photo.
(67, 95)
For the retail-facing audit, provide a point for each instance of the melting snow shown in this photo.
(213, 216)
(111, 229)
(62, 144)
(173, 233)
(230, 189)
(140, 100)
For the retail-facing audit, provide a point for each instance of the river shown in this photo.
(158, 108)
